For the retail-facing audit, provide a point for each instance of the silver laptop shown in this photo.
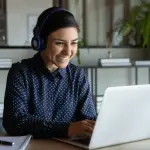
(124, 117)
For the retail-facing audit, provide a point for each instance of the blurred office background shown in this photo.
(96, 19)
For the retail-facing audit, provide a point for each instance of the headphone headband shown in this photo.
(54, 11)
(37, 42)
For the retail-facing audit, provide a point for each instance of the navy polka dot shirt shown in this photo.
(42, 103)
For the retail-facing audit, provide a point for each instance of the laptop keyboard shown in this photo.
(85, 141)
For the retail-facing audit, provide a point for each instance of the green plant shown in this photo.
(137, 27)
(80, 43)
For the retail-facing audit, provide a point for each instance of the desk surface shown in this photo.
(56, 145)
(49, 144)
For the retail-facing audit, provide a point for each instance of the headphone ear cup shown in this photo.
(35, 43)
(42, 44)
(38, 44)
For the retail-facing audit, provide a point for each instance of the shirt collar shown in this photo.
(41, 65)
(62, 71)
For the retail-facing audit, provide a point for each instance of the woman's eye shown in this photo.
(74, 43)
(59, 43)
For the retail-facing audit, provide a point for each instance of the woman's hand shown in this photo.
(81, 128)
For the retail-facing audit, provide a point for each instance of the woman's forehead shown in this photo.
(70, 33)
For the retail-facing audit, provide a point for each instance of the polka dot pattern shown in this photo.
(42, 103)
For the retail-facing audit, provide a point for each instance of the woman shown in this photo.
(46, 95)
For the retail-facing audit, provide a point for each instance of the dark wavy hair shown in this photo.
(53, 19)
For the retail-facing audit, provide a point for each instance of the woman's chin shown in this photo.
(62, 65)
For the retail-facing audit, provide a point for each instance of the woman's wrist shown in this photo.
(71, 130)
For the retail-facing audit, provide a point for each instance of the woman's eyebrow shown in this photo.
(75, 39)
(65, 40)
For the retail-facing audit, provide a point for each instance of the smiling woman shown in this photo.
(46, 95)
(61, 47)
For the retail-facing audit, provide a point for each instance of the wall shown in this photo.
(17, 14)
(16, 56)
(97, 17)
(89, 57)
(19, 10)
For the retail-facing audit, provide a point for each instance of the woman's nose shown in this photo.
(67, 50)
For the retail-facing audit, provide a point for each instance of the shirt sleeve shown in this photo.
(17, 120)
(86, 105)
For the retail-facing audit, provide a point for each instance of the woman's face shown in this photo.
(61, 47)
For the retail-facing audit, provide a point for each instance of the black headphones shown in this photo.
(37, 42)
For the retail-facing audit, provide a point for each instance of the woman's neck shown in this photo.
(49, 64)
